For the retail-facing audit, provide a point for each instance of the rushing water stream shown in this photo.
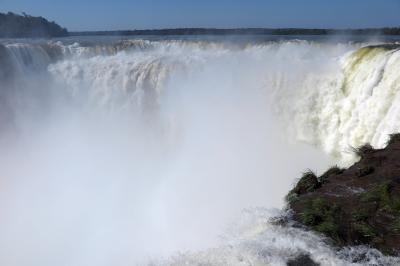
(178, 152)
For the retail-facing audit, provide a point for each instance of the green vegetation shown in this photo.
(291, 197)
(322, 216)
(360, 224)
(360, 215)
(396, 226)
(363, 150)
(246, 31)
(379, 195)
(386, 205)
(365, 230)
(361, 206)
(334, 170)
(17, 26)
(307, 183)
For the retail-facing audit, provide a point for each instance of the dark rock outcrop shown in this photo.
(355, 206)
(17, 26)
(302, 260)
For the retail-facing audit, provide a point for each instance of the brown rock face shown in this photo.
(358, 205)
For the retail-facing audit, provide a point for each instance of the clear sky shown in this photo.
(145, 14)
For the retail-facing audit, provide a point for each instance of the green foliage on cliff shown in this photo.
(322, 216)
(19, 26)
(359, 205)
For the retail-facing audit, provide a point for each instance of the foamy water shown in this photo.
(140, 152)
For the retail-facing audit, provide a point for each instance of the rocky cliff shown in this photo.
(355, 206)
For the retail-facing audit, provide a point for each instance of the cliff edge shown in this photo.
(355, 206)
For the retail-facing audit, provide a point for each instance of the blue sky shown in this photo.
(144, 14)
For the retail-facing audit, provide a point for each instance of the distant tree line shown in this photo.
(244, 31)
(18, 26)
(15, 26)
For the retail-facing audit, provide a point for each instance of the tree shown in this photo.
(17, 26)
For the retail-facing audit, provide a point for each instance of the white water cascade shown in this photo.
(139, 152)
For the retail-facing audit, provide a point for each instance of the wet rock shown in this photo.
(302, 260)
(365, 171)
(333, 171)
(368, 215)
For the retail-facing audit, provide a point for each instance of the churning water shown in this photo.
(178, 152)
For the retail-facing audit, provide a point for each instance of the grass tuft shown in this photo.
(365, 230)
(363, 150)
(379, 195)
(307, 183)
(334, 170)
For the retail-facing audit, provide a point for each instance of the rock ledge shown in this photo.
(355, 206)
